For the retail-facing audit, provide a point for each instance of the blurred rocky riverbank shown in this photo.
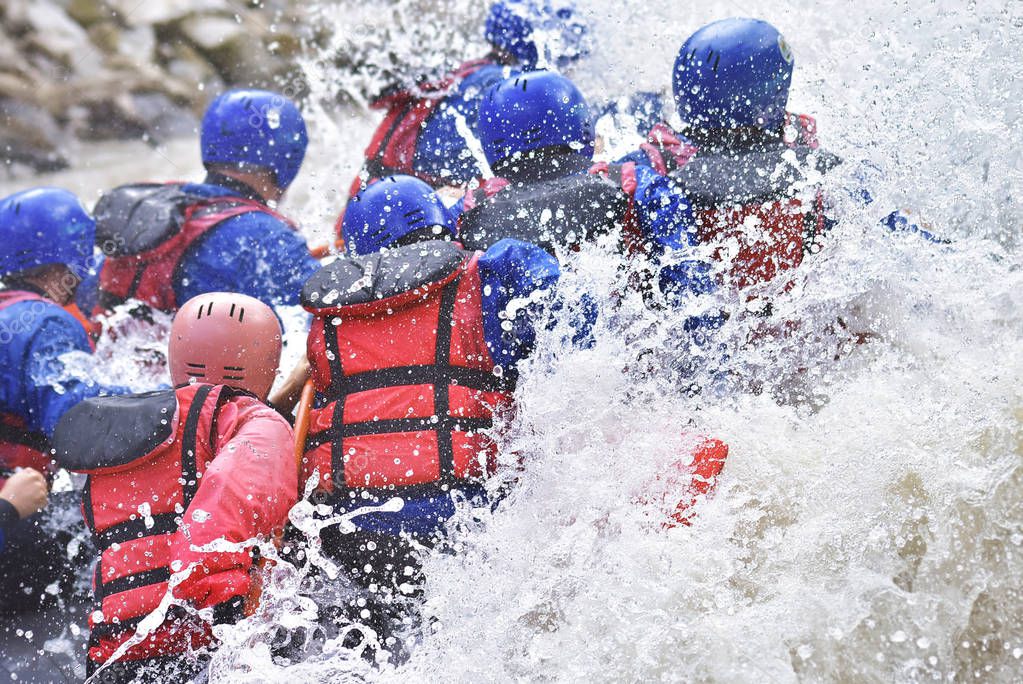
(95, 70)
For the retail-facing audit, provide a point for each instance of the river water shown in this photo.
(869, 522)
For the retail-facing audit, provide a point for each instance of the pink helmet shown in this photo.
(225, 339)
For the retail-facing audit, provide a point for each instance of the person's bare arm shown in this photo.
(286, 397)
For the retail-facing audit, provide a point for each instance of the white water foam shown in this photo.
(867, 523)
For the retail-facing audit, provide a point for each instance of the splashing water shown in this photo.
(868, 523)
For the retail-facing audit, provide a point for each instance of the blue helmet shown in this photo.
(523, 27)
(733, 73)
(390, 209)
(45, 226)
(534, 110)
(257, 128)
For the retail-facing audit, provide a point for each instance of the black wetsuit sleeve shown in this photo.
(8, 514)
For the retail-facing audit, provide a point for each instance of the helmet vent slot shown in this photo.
(239, 309)
(532, 135)
(416, 218)
(237, 371)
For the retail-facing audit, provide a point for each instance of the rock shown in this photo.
(106, 118)
(60, 47)
(11, 60)
(234, 48)
(52, 30)
(30, 136)
(209, 33)
(153, 116)
(14, 87)
(188, 66)
(106, 35)
(285, 45)
(154, 12)
(162, 118)
(138, 43)
(88, 12)
(104, 69)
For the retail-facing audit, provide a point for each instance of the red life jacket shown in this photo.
(145, 456)
(565, 205)
(743, 204)
(147, 229)
(407, 382)
(19, 447)
(393, 147)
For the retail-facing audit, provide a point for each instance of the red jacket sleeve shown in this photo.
(246, 491)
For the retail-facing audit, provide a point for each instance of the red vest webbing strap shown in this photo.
(665, 150)
(485, 191)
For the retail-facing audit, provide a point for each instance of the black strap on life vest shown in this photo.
(108, 300)
(375, 166)
(441, 375)
(442, 390)
(190, 446)
(337, 373)
(129, 582)
(160, 524)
